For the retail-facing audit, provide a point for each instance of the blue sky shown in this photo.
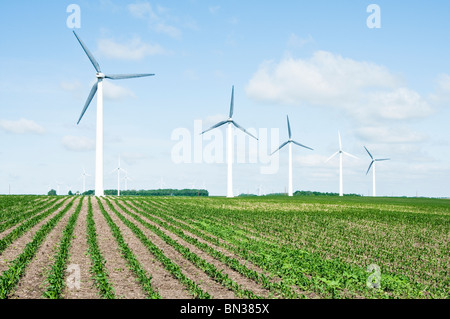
(386, 88)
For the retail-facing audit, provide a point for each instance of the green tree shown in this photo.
(52, 192)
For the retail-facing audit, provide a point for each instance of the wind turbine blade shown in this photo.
(382, 159)
(126, 76)
(289, 127)
(215, 126)
(243, 129)
(88, 53)
(369, 153)
(340, 141)
(348, 154)
(282, 145)
(370, 166)
(88, 101)
(332, 156)
(232, 102)
(297, 143)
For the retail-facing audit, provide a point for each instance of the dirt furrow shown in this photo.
(224, 251)
(246, 283)
(32, 284)
(205, 282)
(167, 286)
(10, 253)
(6, 232)
(122, 279)
(80, 260)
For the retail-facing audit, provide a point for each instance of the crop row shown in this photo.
(98, 268)
(279, 287)
(11, 277)
(325, 277)
(173, 268)
(56, 277)
(128, 255)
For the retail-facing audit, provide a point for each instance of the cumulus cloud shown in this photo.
(442, 92)
(78, 143)
(157, 18)
(134, 49)
(115, 92)
(365, 90)
(22, 126)
(389, 135)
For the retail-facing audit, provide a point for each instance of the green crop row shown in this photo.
(56, 277)
(17, 218)
(280, 287)
(98, 269)
(131, 259)
(174, 269)
(327, 278)
(10, 206)
(11, 277)
(20, 230)
(208, 268)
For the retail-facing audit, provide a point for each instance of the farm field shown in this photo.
(74, 247)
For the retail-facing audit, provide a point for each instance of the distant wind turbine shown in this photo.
(57, 187)
(230, 123)
(83, 176)
(126, 179)
(118, 169)
(98, 88)
(372, 164)
(290, 142)
(341, 153)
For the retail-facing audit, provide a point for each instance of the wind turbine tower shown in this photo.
(98, 88)
(341, 153)
(230, 122)
(372, 164)
(290, 142)
(118, 169)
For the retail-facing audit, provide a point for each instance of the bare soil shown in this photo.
(32, 284)
(167, 285)
(121, 277)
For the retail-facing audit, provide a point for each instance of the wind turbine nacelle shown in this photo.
(100, 76)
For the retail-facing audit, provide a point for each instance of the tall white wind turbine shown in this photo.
(372, 164)
(98, 88)
(230, 123)
(290, 142)
(341, 153)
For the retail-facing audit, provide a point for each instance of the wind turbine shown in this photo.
(57, 187)
(126, 179)
(98, 88)
(374, 160)
(118, 169)
(83, 176)
(290, 142)
(341, 153)
(230, 123)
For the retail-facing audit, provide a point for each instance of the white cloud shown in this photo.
(214, 9)
(115, 92)
(70, 86)
(389, 135)
(157, 20)
(297, 42)
(366, 91)
(134, 49)
(21, 126)
(442, 92)
(78, 143)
